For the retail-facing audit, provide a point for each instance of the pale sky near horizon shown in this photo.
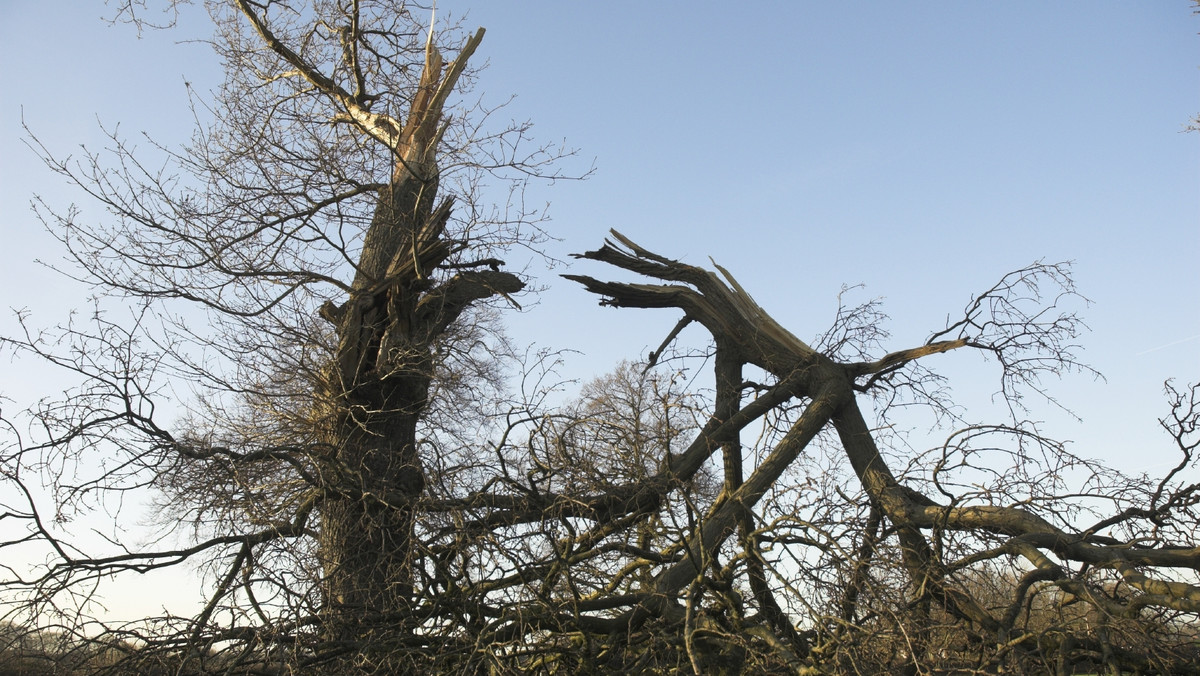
(922, 149)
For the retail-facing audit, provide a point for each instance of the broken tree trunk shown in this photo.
(398, 310)
(743, 333)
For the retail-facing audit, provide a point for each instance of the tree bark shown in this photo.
(387, 330)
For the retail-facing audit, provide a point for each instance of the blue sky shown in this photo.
(921, 149)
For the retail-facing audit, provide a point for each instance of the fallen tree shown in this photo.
(1133, 567)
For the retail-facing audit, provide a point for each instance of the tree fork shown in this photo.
(740, 327)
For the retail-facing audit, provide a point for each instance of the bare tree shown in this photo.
(326, 218)
(364, 492)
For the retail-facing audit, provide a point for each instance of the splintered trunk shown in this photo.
(384, 372)
(398, 310)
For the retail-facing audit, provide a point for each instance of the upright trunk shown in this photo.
(382, 385)
(398, 310)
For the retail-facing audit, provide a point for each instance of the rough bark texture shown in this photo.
(386, 333)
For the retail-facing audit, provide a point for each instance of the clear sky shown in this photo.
(921, 149)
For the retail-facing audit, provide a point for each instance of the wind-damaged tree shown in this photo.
(362, 498)
(316, 225)
(887, 567)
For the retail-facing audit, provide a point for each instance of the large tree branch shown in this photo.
(380, 127)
